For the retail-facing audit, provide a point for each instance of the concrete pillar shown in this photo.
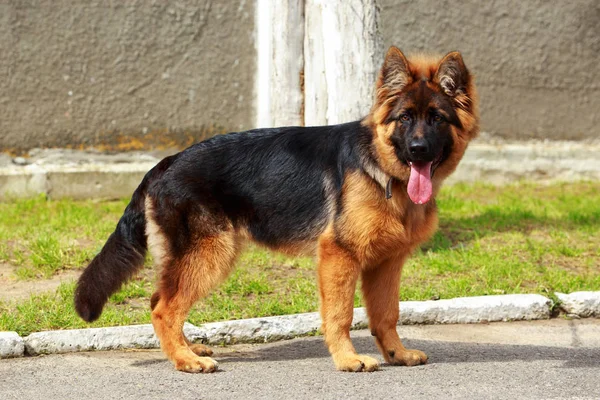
(317, 60)
(343, 51)
(280, 28)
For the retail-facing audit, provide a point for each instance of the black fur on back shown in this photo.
(268, 181)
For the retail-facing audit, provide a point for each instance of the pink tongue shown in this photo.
(419, 183)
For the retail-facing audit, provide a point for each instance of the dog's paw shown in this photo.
(201, 350)
(355, 363)
(406, 357)
(195, 364)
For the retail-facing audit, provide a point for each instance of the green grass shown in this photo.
(518, 239)
(42, 237)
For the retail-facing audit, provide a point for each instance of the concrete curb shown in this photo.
(536, 161)
(113, 338)
(462, 310)
(469, 310)
(582, 304)
(11, 345)
(88, 174)
(86, 181)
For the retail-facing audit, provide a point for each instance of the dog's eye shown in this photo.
(404, 117)
(437, 118)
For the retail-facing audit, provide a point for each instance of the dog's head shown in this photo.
(424, 115)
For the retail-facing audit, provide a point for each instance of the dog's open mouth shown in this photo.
(420, 188)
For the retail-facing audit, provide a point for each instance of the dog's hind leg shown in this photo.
(184, 280)
(380, 287)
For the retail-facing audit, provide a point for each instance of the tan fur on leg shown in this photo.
(338, 274)
(183, 282)
(380, 287)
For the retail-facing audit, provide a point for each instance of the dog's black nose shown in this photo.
(419, 148)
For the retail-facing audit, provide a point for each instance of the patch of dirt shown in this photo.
(148, 274)
(13, 289)
(573, 265)
(83, 243)
(142, 303)
(284, 272)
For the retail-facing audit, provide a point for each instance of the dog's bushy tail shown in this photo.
(120, 258)
(122, 255)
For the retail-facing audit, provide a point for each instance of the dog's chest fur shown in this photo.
(375, 228)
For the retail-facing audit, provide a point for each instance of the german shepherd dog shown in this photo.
(360, 195)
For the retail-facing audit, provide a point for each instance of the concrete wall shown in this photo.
(93, 72)
(123, 74)
(537, 62)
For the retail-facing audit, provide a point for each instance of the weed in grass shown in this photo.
(46, 253)
(27, 273)
(131, 290)
(4, 255)
(242, 284)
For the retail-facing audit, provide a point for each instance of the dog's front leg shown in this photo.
(380, 287)
(338, 273)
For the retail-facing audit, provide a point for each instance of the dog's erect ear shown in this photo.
(452, 74)
(395, 72)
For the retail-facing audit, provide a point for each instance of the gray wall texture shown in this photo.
(95, 72)
(537, 62)
(124, 74)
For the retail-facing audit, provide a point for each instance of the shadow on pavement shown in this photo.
(439, 352)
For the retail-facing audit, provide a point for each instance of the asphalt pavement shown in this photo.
(520, 360)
